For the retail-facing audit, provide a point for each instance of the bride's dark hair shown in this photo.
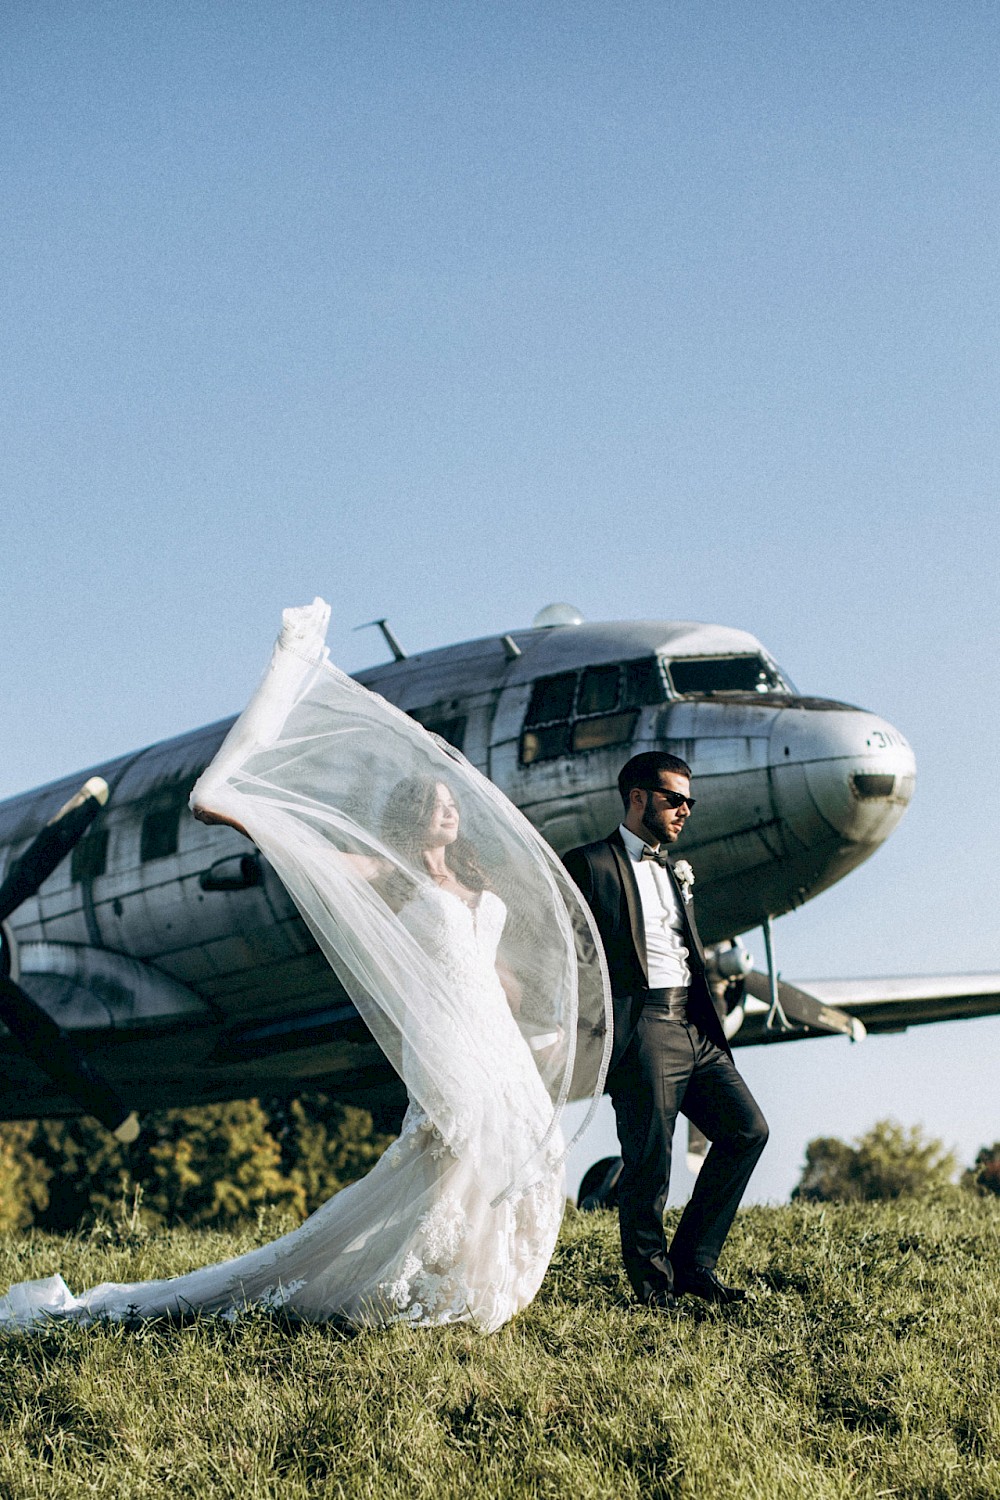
(406, 819)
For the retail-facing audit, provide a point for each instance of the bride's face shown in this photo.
(442, 825)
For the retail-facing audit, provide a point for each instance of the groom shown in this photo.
(670, 1052)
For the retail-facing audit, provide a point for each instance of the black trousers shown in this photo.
(670, 1068)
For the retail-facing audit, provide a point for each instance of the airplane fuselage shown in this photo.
(179, 960)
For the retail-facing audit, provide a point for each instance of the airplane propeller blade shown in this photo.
(48, 1046)
(52, 845)
(46, 1043)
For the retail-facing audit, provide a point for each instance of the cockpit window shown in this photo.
(590, 709)
(725, 674)
(644, 682)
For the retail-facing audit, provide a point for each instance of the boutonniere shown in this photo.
(684, 876)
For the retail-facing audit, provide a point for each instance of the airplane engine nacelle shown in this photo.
(727, 967)
(84, 989)
(734, 962)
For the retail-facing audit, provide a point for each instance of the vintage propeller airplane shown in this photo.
(150, 961)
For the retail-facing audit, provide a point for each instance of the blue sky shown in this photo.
(444, 312)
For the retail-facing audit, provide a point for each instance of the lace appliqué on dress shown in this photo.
(427, 1288)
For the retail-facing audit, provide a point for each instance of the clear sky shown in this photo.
(674, 310)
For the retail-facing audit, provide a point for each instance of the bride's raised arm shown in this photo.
(370, 867)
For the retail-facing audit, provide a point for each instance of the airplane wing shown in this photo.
(825, 1007)
(850, 1007)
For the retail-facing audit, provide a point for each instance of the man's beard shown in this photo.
(660, 833)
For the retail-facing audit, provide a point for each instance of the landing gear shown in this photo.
(776, 1018)
(599, 1187)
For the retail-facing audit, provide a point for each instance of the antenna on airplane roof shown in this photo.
(390, 639)
(556, 614)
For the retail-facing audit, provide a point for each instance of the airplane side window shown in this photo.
(608, 729)
(544, 743)
(159, 833)
(563, 719)
(90, 857)
(628, 684)
(442, 719)
(644, 683)
(451, 730)
(551, 699)
(599, 690)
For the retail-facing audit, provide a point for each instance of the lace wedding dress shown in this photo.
(458, 1219)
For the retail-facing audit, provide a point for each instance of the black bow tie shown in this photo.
(660, 855)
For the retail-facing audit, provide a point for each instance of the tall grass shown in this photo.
(865, 1364)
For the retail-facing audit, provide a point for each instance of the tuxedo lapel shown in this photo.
(687, 912)
(632, 901)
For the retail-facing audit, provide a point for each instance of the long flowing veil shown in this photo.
(326, 778)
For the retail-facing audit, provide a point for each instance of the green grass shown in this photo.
(866, 1364)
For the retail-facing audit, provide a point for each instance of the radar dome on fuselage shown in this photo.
(557, 614)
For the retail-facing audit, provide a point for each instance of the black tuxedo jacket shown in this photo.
(604, 873)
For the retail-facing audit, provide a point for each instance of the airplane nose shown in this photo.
(851, 768)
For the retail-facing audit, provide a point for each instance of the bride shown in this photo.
(473, 960)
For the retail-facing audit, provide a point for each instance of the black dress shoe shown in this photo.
(659, 1298)
(699, 1281)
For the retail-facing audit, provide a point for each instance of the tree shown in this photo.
(984, 1173)
(887, 1162)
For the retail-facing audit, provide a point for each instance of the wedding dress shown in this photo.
(494, 1009)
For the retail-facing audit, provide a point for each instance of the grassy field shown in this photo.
(867, 1363)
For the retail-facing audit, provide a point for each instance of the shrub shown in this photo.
(214, 1164)
(888, 1162)
(984, 1173)
(326, 1145)
(23, 1178)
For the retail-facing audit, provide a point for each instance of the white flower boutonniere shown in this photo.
(685, 879)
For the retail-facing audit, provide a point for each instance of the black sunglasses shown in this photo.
(674, 799)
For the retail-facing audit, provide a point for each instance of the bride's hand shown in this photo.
(511, 985)
(206, 815)
(547, 1044)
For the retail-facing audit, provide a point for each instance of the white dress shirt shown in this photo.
(666, 950)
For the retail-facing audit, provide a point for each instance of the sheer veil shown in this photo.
(486, 988)
(329, 779)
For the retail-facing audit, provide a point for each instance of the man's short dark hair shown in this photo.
(644, 770)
